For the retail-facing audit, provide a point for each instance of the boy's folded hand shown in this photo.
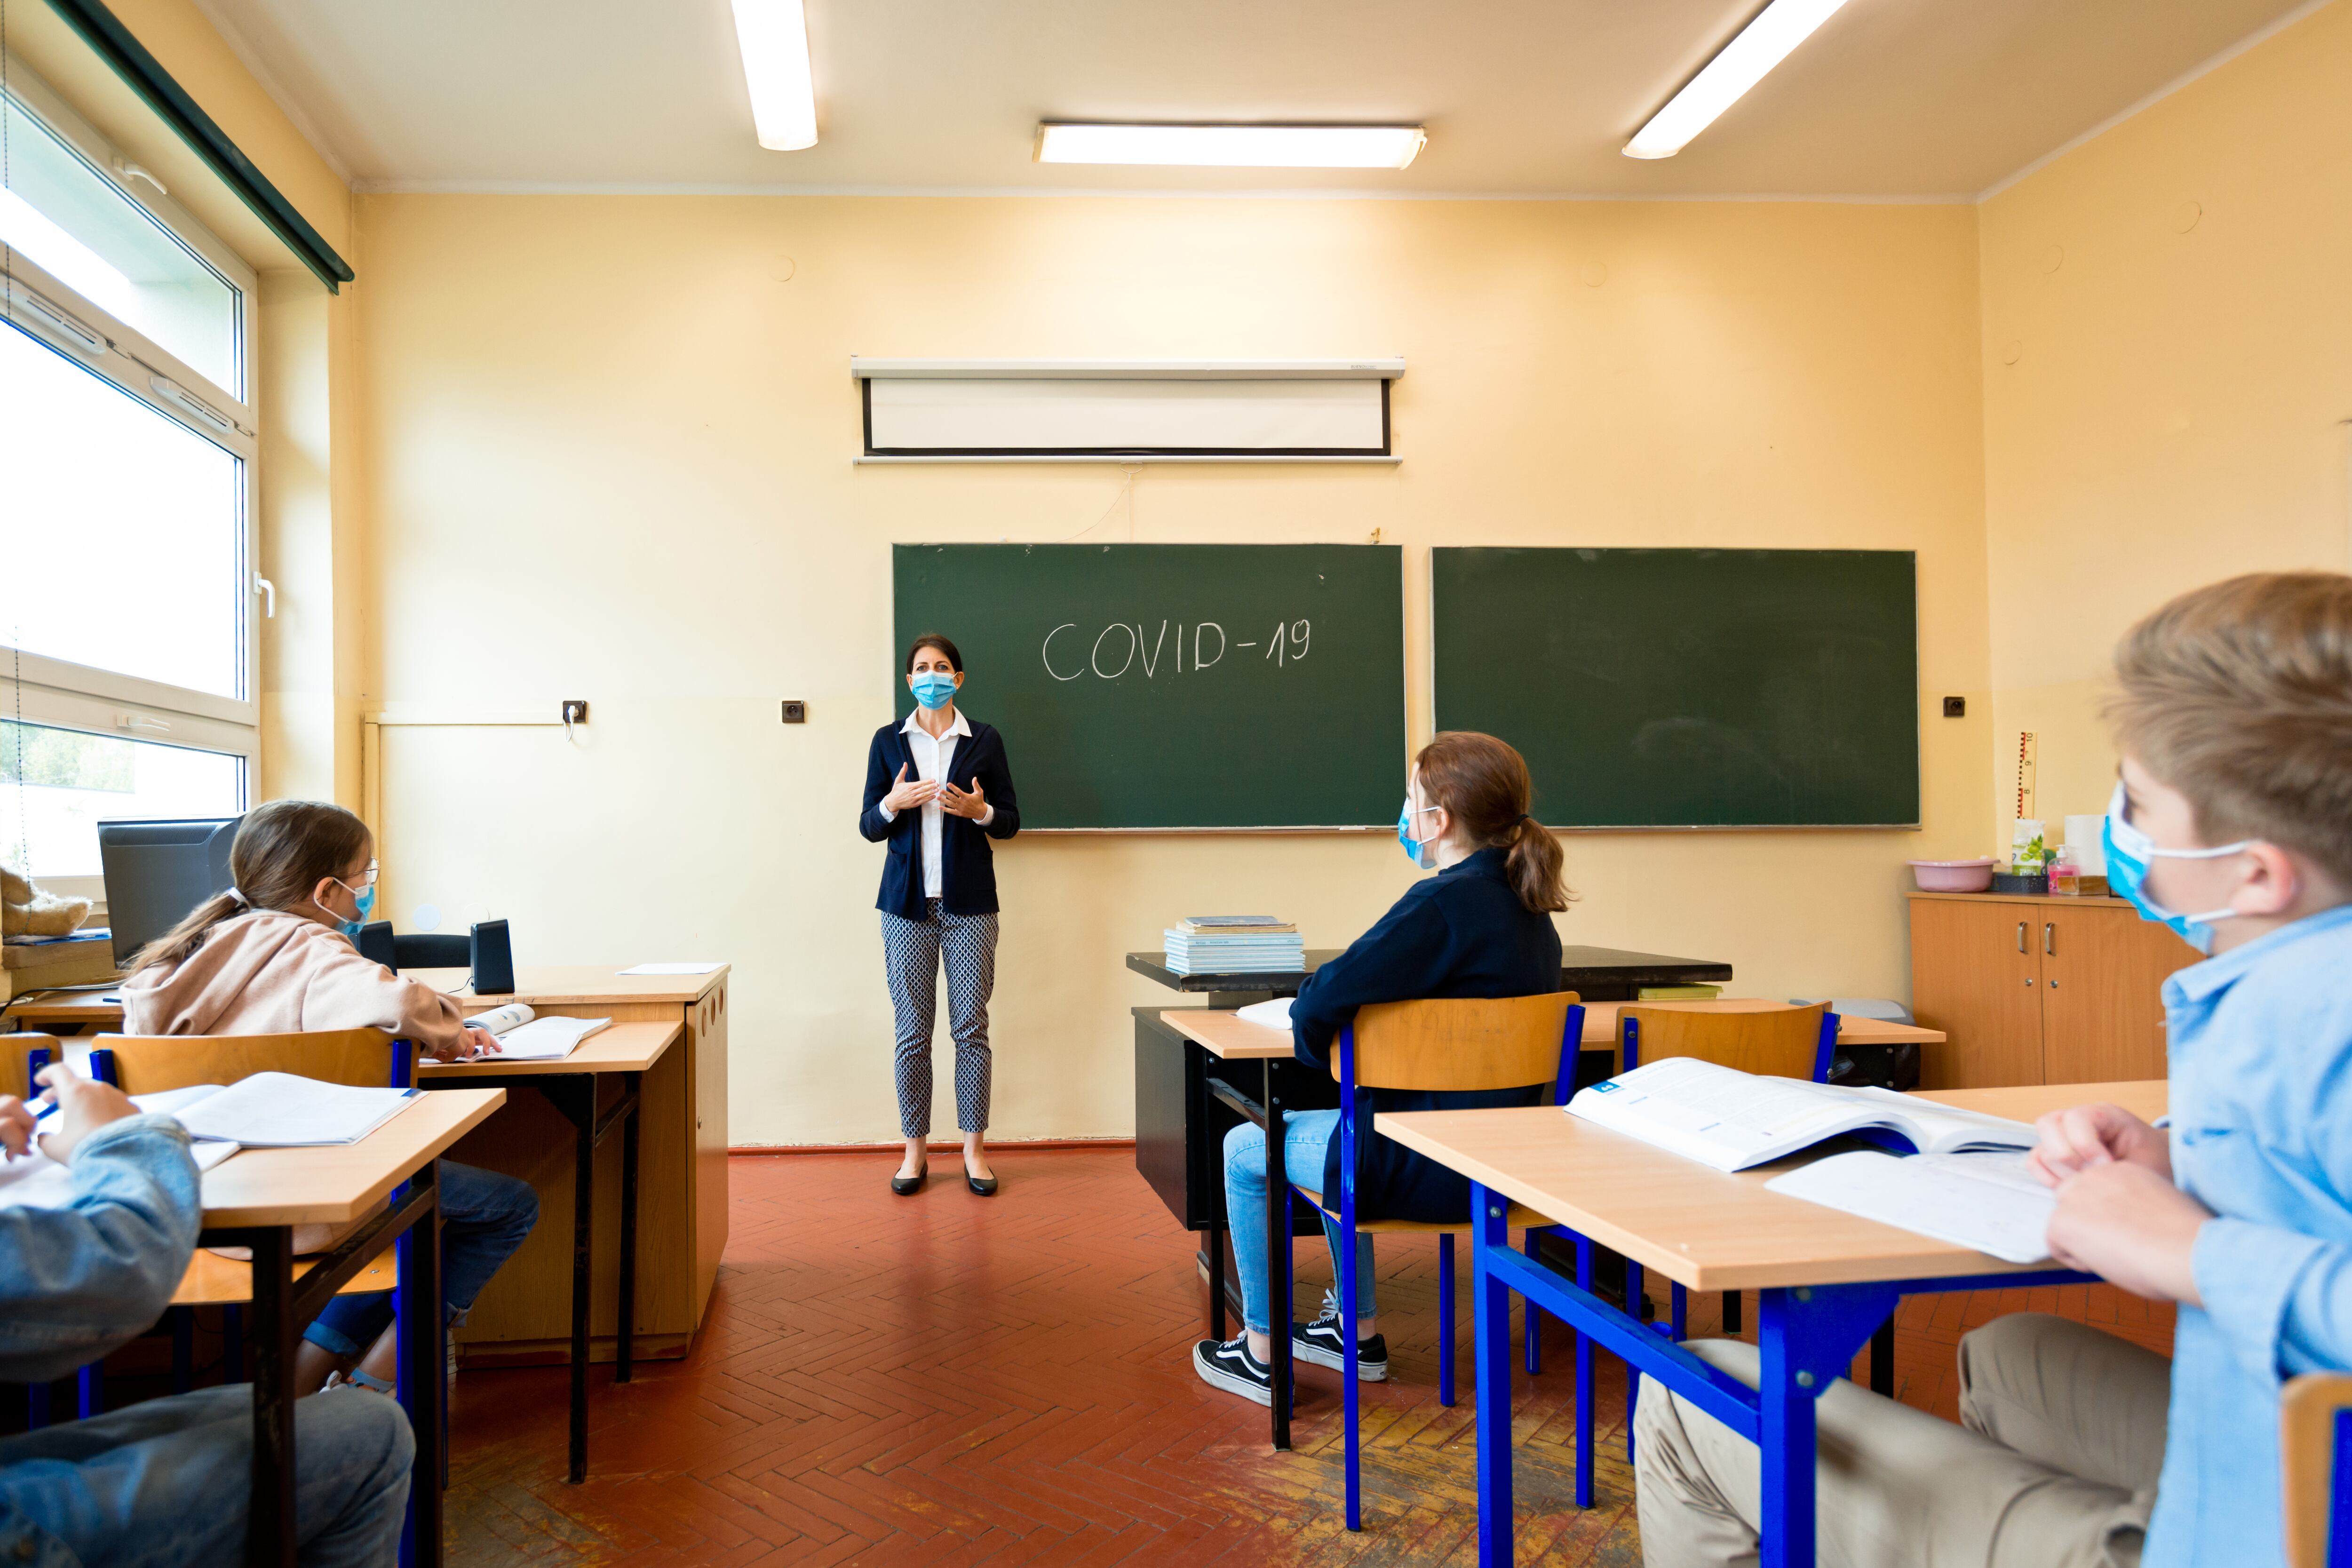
(15, 1126)
(2083, 1136)
(84, 1105)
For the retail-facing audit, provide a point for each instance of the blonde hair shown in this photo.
(283, 850)
(1483, 784)
(2239, 694)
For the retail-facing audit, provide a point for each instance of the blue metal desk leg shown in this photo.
(1806, 1337)
(1585, 1401)
(1491, 1319)
(421, 1320)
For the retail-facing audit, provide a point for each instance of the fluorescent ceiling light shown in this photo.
(1764, 43)
(1234, 146)
(774, 34)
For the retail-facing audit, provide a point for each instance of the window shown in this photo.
(61, 783)
(127, 490)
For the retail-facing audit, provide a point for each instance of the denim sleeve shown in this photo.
(75, 1282)
(2281, 1300)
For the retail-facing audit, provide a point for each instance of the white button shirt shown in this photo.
(932, 760)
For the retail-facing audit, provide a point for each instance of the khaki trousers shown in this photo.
(2054, 1468)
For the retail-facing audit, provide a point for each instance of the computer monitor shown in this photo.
(157, 872)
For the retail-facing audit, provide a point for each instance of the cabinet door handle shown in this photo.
(2049, 937)
(2020, 936)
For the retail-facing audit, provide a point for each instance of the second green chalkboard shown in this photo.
(1690, 688)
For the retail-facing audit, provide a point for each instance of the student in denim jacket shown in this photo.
(162, 1483)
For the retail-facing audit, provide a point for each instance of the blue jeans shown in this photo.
(1306, 1134)
(484, 1217)
(165, 1484)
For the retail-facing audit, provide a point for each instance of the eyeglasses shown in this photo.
(367, 877)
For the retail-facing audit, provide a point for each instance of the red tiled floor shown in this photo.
(956, 1380)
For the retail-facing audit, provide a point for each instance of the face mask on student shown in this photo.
(2129, 852)
(933, 690)
(1422, 851)
(363, 900)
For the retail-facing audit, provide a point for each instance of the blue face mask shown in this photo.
(363, 900)
(1422, 851)
(2129, 852)
(933, 690)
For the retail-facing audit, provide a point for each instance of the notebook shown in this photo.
(523, 1036)
(1273, 1014)
(278, 1111)
(1981, 1198)
(37, 1182)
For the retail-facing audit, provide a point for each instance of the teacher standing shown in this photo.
(937, 788)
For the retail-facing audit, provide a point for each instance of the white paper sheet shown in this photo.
(1273, 1014)
(1984, 1200)
(670, 969)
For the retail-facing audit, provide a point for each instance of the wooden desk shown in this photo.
(1230, 1039)
(524, 1314)
(1827, 1279)
(520, 1318)
(254, 1198)
(570, 1084)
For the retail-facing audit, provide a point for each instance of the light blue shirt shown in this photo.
(2261, 1135)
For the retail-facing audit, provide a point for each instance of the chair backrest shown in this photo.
(16, 1052)
(143, 1064)
(432, 950)
(1466, 1042)
(2315, 1454)
(1781, 1042)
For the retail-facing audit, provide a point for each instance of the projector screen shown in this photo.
(975, 416)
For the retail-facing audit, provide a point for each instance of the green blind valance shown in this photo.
(146, 77)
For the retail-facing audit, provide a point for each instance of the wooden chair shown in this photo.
(149, 1064)
(1442, 1044)
(2316, 1455)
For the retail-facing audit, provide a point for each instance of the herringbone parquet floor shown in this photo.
(951, 1380)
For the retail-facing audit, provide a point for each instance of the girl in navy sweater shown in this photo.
(1481, 927)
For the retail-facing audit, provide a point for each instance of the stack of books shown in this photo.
(1235, 944)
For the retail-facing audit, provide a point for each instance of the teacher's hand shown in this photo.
(904, 794)
(974, 805)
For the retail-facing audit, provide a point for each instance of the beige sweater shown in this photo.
(270, 972)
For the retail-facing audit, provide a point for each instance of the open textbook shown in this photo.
(1732, 1120)
(1963, 1182)
(523, 1036)
(278, 1110)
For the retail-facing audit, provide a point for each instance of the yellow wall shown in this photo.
(609, 443)
(2168, 368)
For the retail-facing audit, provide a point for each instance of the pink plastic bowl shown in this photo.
(1953, 876)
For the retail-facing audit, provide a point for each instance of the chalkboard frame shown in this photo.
(1383, 564)
(1446, 695)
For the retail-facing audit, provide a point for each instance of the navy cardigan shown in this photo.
(967, 868)
(1463, 932)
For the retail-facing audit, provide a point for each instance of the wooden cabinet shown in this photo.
(2048, 990)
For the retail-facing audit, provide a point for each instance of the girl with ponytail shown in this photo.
(1481, 927)
(273, 955)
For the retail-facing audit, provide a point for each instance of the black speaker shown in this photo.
(493, 959)
(376, 941)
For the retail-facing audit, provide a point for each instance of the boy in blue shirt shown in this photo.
(162, 1483)
(2233, 825)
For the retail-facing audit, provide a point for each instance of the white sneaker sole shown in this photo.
(1366, 1370)
(1217, 1376)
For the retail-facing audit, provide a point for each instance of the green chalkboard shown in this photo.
(1690, 688)
(1156, 686)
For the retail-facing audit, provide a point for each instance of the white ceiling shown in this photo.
(1891, 98)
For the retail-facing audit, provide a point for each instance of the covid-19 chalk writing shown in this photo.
(1172, 648)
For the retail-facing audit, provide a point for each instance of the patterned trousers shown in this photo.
(911, 951)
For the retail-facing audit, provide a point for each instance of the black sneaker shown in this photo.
(1229, 1366)
(1324, 1342)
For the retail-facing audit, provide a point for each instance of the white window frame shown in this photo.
(56, 693)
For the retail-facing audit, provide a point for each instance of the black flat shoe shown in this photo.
(907, 1186)
(984, 1186)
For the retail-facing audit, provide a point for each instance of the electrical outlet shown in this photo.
(575, 711)
(795, 712)
(1956, 707)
